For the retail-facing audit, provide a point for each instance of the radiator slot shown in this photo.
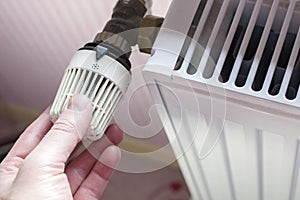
(249, 56)
(265, 62)
(293, 88)
(232, 54)
(190, 34)
(282, 64)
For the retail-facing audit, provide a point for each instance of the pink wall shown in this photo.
(38, 38)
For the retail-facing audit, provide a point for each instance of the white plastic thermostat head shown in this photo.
(104, 81)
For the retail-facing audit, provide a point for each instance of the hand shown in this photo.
(36, 167)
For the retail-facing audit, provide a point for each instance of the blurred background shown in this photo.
(37, 40)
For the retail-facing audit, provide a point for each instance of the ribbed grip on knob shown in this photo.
(104, 82)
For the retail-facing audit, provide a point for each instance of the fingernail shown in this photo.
(78, 103)
(109, 160)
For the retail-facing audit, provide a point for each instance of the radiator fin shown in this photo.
(248, 163)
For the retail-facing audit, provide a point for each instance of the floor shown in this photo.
(165, 184)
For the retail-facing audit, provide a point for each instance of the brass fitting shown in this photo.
(148, 32)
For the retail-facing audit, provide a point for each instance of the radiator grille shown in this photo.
(250, 46)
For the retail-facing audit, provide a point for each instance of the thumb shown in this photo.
(65, 134)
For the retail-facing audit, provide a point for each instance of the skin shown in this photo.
(36, 168)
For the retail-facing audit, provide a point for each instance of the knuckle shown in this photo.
(11, 164)
(64, 125)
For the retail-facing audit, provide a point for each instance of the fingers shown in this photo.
(64, 135)
(29, 140)
(94, 185)
(79, 169)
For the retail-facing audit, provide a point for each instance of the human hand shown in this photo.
(36, 167)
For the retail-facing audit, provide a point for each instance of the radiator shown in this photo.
(226, 75)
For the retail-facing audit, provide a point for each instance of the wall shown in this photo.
(37, 40)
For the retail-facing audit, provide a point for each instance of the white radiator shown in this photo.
(230, 96)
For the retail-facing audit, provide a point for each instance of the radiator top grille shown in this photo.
(250, 46)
